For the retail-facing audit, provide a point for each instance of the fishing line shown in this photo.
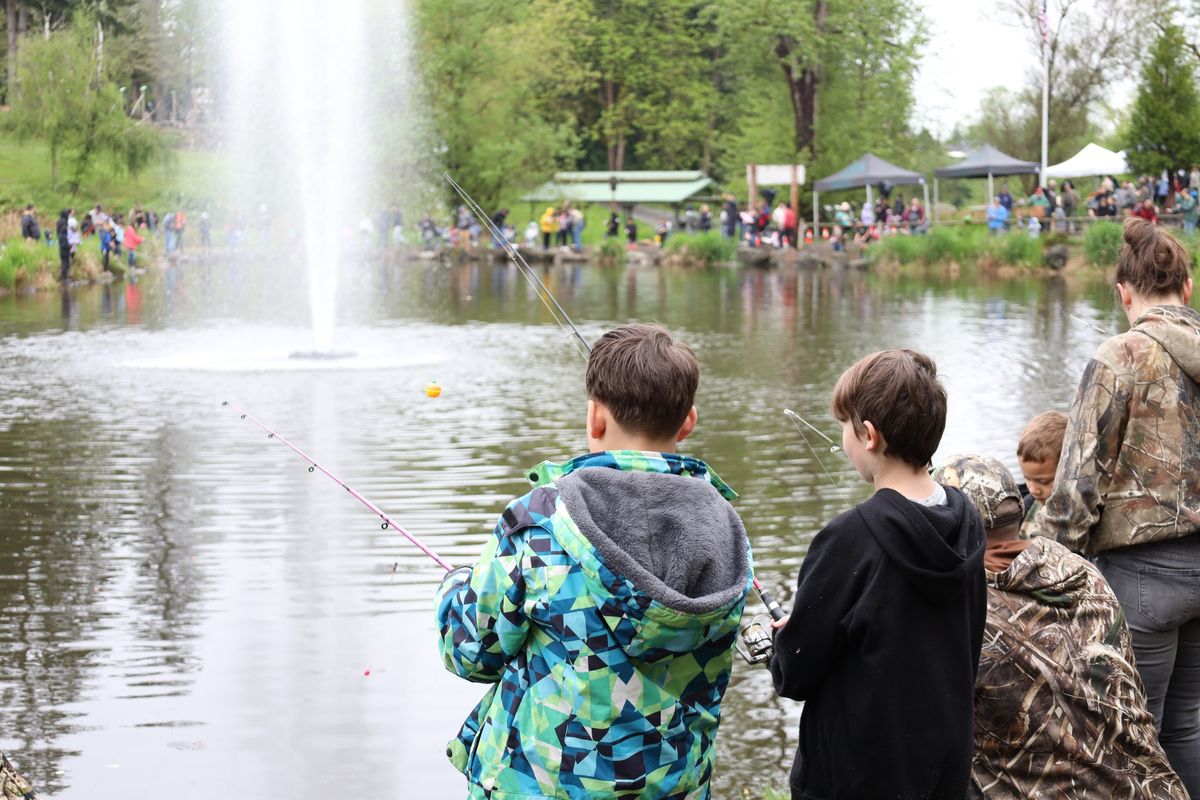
(1091, 325)
(552, 305)
(388, 522)
(797, 420)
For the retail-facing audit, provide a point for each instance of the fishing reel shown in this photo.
(756, 646)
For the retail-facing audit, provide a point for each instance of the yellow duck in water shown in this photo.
(12, 785)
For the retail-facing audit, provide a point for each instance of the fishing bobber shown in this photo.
(432, 389)
(808, 235)
(824, 233)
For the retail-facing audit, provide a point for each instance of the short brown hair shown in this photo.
(645, 378)
(898, 392)
(1042, 438)
(1151, 261)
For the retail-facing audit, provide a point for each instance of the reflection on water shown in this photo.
(183, 600)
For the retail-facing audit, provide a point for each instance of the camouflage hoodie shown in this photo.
(12, 785)
(605, 608)
(1059, 708)
(1129, 472)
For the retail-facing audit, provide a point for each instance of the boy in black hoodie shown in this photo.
(884, 637)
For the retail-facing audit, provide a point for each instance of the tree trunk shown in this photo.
(22, 19)
(804, 85)
(608, 99)
(157, 89)
(11, 54)
(620, 160)
(99, 52)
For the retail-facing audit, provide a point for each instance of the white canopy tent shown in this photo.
(1090, 161)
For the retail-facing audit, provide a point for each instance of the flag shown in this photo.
(1044, 23)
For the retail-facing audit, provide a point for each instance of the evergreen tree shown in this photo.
(1164, 130)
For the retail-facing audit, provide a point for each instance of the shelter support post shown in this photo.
(795, 195)
(991, 189)
(816, 211)
(937, 217)
(753, 186)
(925, 186)
(870, 199)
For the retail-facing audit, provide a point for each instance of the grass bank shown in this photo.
(972, 245)
(25, 266)
(25, 178)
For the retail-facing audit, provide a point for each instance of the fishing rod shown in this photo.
(313, 466)
(552, 305)
(560, 315)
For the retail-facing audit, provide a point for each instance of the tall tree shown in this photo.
(66, 98)
(1164, 129)
(1088, 48)
(493, 78)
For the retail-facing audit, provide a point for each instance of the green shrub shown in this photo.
(709, 247)
(611, 252)
(1102, 243)
(20, 261)
(1017, 249)
(900, 249)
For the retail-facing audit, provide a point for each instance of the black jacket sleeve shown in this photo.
(830, 584)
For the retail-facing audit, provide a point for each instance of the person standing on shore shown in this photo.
(1127, 489)
(62, 232)
(29, 225)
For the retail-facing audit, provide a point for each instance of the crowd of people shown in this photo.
(957, 635)
(116, 233)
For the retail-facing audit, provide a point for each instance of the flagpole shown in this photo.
(1045, 24)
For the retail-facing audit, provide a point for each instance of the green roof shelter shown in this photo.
(625, 187)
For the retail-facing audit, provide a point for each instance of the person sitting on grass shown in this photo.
(1059, 708)
(605, 607)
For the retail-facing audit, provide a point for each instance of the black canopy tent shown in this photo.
(984, 162)
(865, 173)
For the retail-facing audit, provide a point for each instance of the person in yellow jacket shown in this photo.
(549, 225)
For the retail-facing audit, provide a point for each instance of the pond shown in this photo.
(187, 611)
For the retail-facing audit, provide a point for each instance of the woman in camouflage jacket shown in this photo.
(1128, 482)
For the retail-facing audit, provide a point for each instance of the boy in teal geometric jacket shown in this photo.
(605, 605)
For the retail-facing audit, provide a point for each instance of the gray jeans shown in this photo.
(1158, 585)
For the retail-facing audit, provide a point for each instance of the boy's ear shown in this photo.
(597, 420)
(874, 439)
(689, 425)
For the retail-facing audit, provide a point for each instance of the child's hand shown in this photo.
(779, 623)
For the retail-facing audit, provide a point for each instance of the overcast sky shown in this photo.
(974, 46)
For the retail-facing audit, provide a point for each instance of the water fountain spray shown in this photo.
(564, 320)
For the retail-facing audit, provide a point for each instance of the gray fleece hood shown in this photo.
(1177, 329)
(673, 536)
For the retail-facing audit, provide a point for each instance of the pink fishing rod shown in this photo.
(388, 522)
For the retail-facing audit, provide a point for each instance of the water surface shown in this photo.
(187, 611)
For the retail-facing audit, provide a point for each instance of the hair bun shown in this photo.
(1139, 233)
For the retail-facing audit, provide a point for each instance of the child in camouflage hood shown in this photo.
(605, 607)
(1059, 707)
(1128, 483)
(12, 785)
